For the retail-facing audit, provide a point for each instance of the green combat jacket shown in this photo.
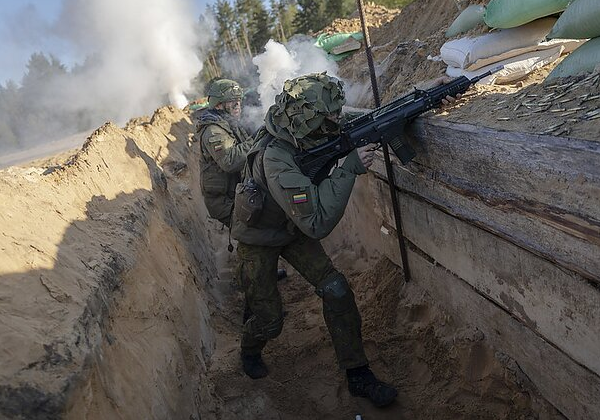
(293, 204)
(224, 146)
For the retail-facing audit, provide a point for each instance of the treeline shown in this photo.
(245, 26)
(29, 112)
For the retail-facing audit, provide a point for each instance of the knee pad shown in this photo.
(261, 330)
(336, 292)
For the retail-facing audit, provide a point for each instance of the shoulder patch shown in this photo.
(299, 198)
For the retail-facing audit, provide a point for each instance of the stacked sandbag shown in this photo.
(513, 13)
(468, 19)
(581, 20)
(520, 50)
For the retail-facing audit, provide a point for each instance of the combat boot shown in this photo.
(363, 383)
(254, 366)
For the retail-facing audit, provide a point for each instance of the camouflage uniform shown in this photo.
(296, 214)
(224, 145)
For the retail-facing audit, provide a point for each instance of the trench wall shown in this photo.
(108, 281)
(503, 230)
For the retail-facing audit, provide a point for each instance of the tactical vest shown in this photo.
(271, 226)
(218, 186)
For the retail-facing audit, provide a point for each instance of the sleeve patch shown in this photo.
(299, 198)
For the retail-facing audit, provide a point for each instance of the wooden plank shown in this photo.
(569, 387)
(555, 304)
(540, 192)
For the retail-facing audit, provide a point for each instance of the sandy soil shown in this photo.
(375, 16)
(442, 371)
(565, 107)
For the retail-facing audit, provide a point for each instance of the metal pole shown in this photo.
(386, 153)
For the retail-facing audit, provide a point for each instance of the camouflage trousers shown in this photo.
(263, 319)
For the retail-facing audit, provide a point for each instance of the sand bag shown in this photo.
(464, 52)
(328, 42)
(331, 44)
(512, 13)
(584, 60)
(514, 69)
(581, 20)
(467, 20)
(568, 44)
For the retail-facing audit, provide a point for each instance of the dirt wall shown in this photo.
(107, 273)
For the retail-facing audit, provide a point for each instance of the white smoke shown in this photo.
(282, 62)
(131, 57)
(142, 50)
(279, 63)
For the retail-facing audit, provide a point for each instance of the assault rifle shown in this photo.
(384, 125)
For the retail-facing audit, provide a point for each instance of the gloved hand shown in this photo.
(353, 164)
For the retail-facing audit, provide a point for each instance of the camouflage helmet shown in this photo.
(223, 90)
(304, 105)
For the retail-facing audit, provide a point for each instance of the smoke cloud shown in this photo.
(282, 62)
(279, 63)
(137, 55)
(141, 48)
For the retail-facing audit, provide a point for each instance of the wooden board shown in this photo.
(541, 193)
(555, 304)
(571, 388)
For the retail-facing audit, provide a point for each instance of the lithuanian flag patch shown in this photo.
(299, 198)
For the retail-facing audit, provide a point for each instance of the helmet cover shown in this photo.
(305, 105)
(223, 90)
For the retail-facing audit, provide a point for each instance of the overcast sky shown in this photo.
(27, 26)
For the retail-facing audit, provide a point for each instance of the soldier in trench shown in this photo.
(280, 212)
(224, 144)
(295, 215)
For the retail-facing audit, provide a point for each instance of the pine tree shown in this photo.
(260, 29)
(310, 16)
(41, 70)
(334, 9)
(10, 107)
(283, 13)
(226, 21)
(254, 24)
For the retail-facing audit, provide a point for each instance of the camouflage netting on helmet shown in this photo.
(223, 90)
(304, 103)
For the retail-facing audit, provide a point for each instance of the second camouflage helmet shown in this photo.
(305, 103)
(223, 90)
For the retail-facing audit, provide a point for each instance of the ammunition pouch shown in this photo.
(214, 184)
(249, 202)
